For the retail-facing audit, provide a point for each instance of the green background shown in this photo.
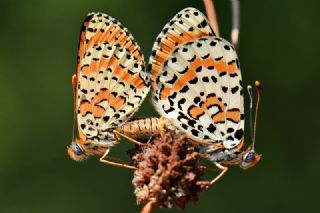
(279, 45)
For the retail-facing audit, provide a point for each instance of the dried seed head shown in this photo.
(168, 173)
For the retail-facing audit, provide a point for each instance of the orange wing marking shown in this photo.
(114, 101)
(233, 115)
(167, 46)
(195, 112)
(113, 38)
(220, 66)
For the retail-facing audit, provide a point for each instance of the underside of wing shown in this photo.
(102, 28)
(199, 89)
(186, 26)
(111, 77)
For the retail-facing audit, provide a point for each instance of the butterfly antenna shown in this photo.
(258, 86)
(253, 123)
(249, 88)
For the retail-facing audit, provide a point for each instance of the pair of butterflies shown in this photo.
(195, 81)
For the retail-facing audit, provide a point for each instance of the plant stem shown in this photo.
(235, 10)
(211, 14)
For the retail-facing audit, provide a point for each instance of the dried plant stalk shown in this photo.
(212, 16)
(169, 172)
(235, 9)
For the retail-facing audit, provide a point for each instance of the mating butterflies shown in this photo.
(195, 80)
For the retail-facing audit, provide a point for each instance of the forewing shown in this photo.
(186, 26)
(111, 77)
(199, 89)
(101, 28)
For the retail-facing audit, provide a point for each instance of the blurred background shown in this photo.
(39, 39)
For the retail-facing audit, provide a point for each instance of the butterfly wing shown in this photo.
(198, 86)
(111, 77)
(187, 25)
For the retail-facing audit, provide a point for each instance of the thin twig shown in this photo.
(235, 9)
(211, 14)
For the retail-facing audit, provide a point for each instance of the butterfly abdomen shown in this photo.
(144, 127)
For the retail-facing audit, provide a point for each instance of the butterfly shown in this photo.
(196, 84)
(109, 86)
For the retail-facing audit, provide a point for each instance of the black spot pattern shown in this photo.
(194, 132)
(238, 134)
(212, 43)
(211, 128)
(184, 126)
(242, 116)
(202, 24)
(229, 130)
(214, 79)
(184, 89)
(224, 89)
(205, 79)
(174, 60)
(222, 74)
(232, 75)
(205, 56)
(171, 98)
(180, 102)
(191, 122)
(174, 79)
(196, 100)
(226, 47)
(198, 69)
(193, 81)
(234, 89)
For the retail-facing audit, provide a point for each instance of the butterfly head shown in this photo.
(80, 150)
(249, 159)
(76, 151)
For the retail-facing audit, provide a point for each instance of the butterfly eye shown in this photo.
(249, 157)
(76, 149)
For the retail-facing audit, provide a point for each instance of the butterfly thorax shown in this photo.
(245, 158)
(227, 156)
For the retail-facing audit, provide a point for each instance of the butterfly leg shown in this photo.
(218, 146)
(207, 184)
(129, 138)
(103, 160)
(223, 171)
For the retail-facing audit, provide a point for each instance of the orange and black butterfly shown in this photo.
(109, 86)
(196, 85)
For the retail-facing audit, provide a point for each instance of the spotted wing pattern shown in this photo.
(111, 77)
(199, 85)
(187, 25)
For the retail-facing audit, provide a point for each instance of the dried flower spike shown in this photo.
(169, 172)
